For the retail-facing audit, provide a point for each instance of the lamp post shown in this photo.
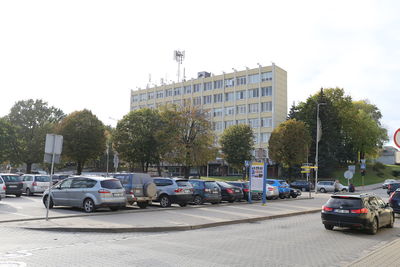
(316, 145)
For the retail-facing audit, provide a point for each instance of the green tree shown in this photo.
(84, 137)
(7, 139)
(289, 144)
(32, 119)
(237, 142)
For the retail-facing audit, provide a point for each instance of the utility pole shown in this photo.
(317, 138)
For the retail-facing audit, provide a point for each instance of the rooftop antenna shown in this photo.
(179, 56)
(184, 76)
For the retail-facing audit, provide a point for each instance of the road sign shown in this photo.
(348, 175)
(309, 167)
(352, 168)
(397, 138)
(308, 171)
(363, 164)
(247, 163)
(53, 148)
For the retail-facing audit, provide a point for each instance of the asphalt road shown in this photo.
(291, 241)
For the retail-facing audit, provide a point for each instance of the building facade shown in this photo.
(257, 97)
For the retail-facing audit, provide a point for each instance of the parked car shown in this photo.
(283, 187)
(13, 184)
(229, 192)
(303, 185)
(361, 211)
(88, 193)
(2, 188)
(392, 187)
(205, 191)
(59, 177)
(35, 183)
(139, 188)
(295, 192)
(387, 182)
(329, 186)
(245, 189)
(394, 201)
(170, 191)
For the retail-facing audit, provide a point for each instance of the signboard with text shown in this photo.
(256, 176)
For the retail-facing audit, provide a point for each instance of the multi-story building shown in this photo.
(256, 96)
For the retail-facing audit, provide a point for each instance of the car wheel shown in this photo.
(322, 190)
(17, 195)
(142, 205)
(391, 223)
(198, 200)
(281, 196)
(328, 227)
(88, 205)
(28, 192)
(131, 202)
(294, 196)
(164, 201)
(183, 204)
(374, 227)
(45, 202)
(231, 200)
(344, 190)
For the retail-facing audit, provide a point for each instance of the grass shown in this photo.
(222, 178)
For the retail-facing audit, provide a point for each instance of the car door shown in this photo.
(384, 211)
(76, 192)
(375, 209)
(59, 193)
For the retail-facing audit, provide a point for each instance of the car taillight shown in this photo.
(178, 190)
(360, 211)
(207, 190)
(103, 191)
(229, 191)
(325, 208)
(245, 190)
(4, 187)
(270, 189)
(34, 184)
(131, 192)
(391, 196)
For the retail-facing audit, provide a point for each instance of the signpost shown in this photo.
(397, 138)
(258, 176)
(306, 168)
(52, 150)
(348, 175)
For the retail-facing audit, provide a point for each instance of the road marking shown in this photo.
(12, 263)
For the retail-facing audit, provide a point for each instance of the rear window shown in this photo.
(183, 183)
(211, 184)
(42, 179)
(111, 184)
(225, 184)
(337, 202)
(270, 182)
(11, 178)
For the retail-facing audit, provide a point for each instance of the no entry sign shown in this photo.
(397, 138)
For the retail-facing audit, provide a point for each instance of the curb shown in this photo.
(169, 228)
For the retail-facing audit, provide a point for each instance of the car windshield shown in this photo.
(42, 179)
(111, 184)
(344, 202)
(11, 178)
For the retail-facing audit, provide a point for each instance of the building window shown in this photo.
(241, 109)
(266, 122)
(253, 108)
(229, 124)
(266, 91)
(143, 97)
(135, 98)
(229, 111)
(207, 99)
(253, 93)
(229, 97)
(168, 92)
(240, 95)
(207, 86)
(254, 123)
(241, 80)
(187, 89)
(177, 91)
(266, 76)
(196, 88)
(150, 95)
(218, 84)
(240, 122)
(197, 101)
(266, 106)
(218, 126)
(229, 82)
(218, 98)
(255, 78)
(160, 94)
(256, 139)
(217, 112)
(265, 137)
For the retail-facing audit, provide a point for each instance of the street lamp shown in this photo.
(316, 144)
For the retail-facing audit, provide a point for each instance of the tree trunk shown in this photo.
(79, 168)
(158, 168)
(186, 170)
(28, 167)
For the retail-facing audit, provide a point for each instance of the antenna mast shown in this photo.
(179, 56)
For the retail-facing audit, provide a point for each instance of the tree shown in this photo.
(289, 143)
(7, 139)
(84, 137)
(237, 142)
(32, 119)
(135, 137)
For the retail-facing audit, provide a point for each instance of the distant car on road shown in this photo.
(2, 188)
(229, 192)
(13, 183)
(88, 193)
(35, 183)
(205, 191)
(303, 185)
(359, 211)
(387, 182)
(392, 187)
(329, 186)
(171, 191)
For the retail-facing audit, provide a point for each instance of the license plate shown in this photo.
(117, 195)
(341, 211)
(12, 186)
(187, 191)
(237, 191)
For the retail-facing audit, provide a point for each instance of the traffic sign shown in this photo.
(397, 138)
(308, 171)
(348, 175)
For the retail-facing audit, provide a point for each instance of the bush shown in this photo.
(378, 166)
(396, 173)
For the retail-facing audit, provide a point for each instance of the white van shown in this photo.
(35, 183)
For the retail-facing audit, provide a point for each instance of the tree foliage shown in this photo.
(84, 137)
(237, 142)
(7, 139)
(32, 120)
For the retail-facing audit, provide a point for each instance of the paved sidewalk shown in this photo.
(178, 219)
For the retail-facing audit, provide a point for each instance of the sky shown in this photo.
(81, 54)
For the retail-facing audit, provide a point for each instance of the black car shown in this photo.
(246, 189)
(394, 201)
(303, 185)
(392, 187)
(229, 192)
(359, 211)
(13, 183)
(295, 192)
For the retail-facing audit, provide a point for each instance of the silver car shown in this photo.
(329, 186)
(35, 183)
(88, 193)
(2, 188)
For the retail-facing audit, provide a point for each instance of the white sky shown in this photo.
(89, 54)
